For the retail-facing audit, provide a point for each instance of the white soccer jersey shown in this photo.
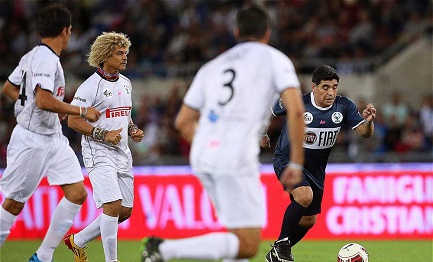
(113, 99)
(234, 93)
(40, 66)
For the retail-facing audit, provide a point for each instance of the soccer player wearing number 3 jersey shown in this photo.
(325, 114)
(37, 146)
(224, 114)
(104, 143)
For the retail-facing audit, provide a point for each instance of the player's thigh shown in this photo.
(126, 185)
(238, 199)
(27, 154)
(64, 167)
(105, 184)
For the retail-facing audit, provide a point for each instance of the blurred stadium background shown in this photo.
(381, 48)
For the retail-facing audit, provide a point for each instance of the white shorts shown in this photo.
(110, 185)
(239, 199)
(30, 156)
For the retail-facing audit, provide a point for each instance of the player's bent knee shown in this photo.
(303, 196)
(125, 213)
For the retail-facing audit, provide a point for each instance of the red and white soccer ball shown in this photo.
(352, 252)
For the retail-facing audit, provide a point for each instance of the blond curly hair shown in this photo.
(104, 45)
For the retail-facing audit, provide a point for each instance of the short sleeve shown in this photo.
(284, 72)
(194, 97)
(354, 118)
(83, 96)
(278, 109)
(44, 73)
(16, 77)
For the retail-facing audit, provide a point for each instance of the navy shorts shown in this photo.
(316, 205)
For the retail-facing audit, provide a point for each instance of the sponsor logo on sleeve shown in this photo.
(80, 99)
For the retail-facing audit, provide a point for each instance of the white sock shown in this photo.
(6, 222)
(211, 246)
(88, 233)
(60, 223)
(109, 227)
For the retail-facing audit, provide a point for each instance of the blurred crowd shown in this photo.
(168, 34)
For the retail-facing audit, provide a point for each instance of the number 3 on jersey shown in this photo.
(229, 86)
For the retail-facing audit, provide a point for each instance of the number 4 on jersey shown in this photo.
(22, 95)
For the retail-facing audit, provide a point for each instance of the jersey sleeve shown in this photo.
(194, 97)
(278, 109)
(354, 118)
(284, 72)
(84, 96)
(16, 77)
(44, 74)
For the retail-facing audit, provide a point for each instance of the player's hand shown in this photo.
(369, 114)
(137, 135)
(62, 116)
(290, 177)
(92, 114)
(113, 136)
(265, 141)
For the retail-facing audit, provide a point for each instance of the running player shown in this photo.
(37, 146)
(104, 143)
(224, 113)
(325, 114)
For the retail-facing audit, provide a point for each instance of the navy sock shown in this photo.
(297, 234)
(292, 216)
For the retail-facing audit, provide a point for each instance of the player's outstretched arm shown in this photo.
(46, 101)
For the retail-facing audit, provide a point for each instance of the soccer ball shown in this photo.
(352, 252)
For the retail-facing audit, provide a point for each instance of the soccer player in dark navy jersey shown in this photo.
(325, 114)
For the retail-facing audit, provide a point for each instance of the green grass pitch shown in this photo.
(305, 251)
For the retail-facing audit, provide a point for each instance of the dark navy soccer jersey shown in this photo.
(322, 128)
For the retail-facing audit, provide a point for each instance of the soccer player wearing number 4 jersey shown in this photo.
(104, 143)
(37, 146)
(224, 113)
(325, 114)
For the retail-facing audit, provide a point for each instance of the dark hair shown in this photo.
(53, 19)
(252, 21)
(324, 72)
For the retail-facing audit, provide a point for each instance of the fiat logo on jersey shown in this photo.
(337, 117)
(118, 111)
(310, 137)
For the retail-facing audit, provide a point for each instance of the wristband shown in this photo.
(83, 114)
(131, 128)
(295, 166)
(99, 134)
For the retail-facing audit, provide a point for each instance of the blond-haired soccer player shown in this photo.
(224, 113)
(104, 143)
(37, 146)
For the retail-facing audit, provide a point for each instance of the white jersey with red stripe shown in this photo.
(40, 66)
(234, 93)
(111, 97)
